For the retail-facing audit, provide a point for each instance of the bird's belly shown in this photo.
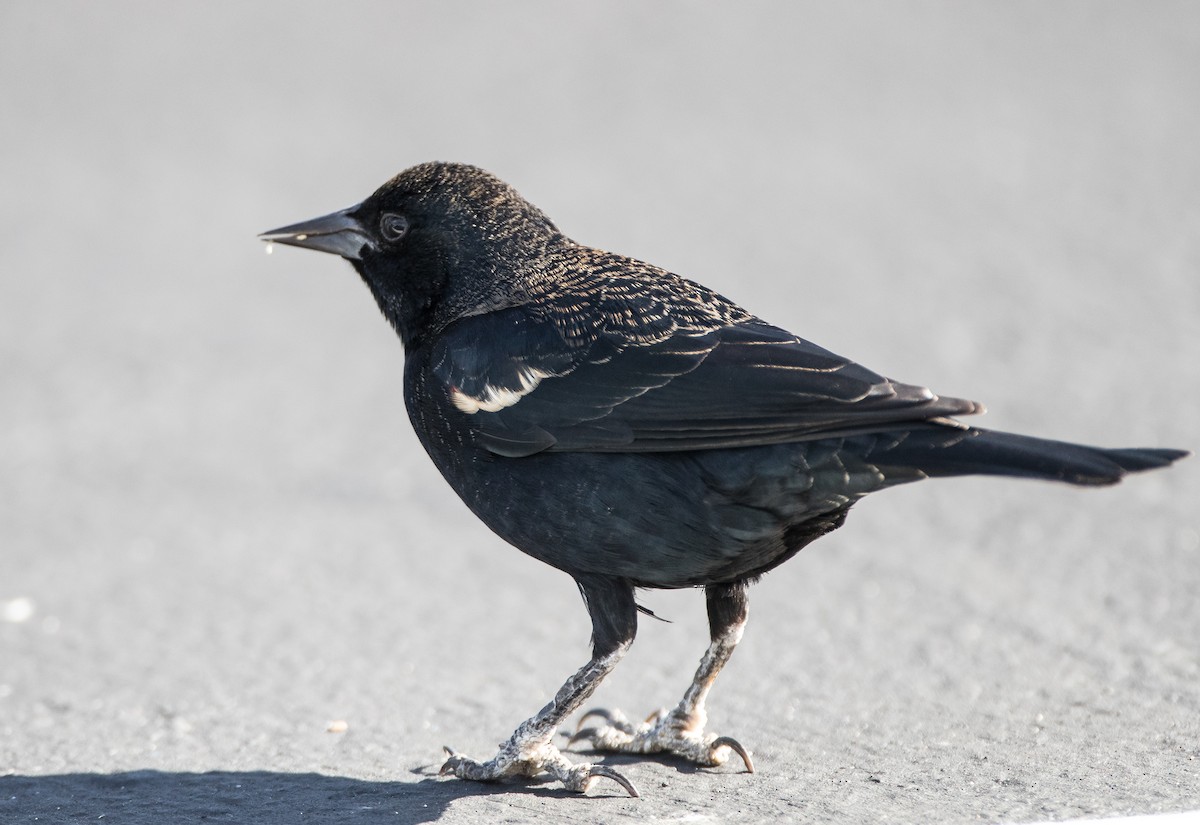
(656, 519)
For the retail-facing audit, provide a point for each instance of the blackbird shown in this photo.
(635, 429)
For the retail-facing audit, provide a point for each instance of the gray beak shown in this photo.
(338, 233)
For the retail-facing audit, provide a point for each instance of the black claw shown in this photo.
(608, 773)
(448, 765)
(584, 733)
(735, 746)
(603, 713)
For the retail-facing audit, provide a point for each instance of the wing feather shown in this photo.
(525, 387)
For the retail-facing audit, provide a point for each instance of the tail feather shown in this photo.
(947, 451)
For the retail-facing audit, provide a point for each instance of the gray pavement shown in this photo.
(218, 535)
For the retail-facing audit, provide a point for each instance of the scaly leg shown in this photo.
(529, 751)
(681, 731)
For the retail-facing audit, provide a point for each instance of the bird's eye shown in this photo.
(393, 226)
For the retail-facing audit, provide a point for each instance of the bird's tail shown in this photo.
(949, 451)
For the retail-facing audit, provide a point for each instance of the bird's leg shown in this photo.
(681, 730)
(529, 751)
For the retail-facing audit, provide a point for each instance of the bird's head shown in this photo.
(438, 242)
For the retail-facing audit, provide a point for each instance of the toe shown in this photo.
(454, 763)
(720, 743)
(598, 771)
(612, 718)
(581, 734)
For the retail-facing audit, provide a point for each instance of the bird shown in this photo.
(637, 430)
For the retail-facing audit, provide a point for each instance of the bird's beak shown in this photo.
(339, 233)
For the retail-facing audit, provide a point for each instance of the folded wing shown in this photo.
(525, 389)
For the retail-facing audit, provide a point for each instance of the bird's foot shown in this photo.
(670, 732)
(526, 758)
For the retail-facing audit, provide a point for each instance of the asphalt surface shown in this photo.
(232, 588)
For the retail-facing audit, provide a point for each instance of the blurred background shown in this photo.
(218, 534)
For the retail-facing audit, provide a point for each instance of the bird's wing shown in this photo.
(524, 388)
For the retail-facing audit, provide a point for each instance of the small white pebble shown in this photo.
(302, 237)
(270, 247)
(17, 610)
(338, 726)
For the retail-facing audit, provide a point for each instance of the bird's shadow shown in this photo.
(149, 797)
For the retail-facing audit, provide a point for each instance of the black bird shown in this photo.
(637, 430)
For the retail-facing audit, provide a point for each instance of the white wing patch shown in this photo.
(494, 399)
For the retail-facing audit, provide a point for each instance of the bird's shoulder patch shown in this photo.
(489, 362)
(492, 398)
